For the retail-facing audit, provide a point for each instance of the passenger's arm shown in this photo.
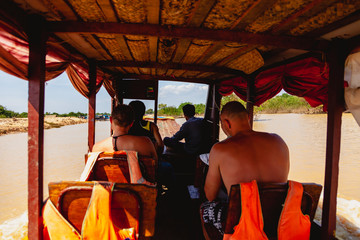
(213, 177)
(157, 136)
(180, 134)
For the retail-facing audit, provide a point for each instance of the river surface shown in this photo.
(64, 150)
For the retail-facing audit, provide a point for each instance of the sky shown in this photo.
(61, 96)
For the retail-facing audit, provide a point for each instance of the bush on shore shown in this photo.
(284, 103)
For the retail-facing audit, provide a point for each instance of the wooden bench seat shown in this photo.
(133, 205)
(272, 197)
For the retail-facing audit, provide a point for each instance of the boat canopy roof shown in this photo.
(275, 44)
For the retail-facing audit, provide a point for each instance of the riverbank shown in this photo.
(16, 125)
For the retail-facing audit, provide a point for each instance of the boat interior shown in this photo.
(253, 48)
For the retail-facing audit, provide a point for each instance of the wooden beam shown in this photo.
(302, 15)
(181, 66)
(188, 32)
(336, 58)
(167, 78)
(36, 75)
(92, 105)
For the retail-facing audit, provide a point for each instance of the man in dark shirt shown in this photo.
(192, 130)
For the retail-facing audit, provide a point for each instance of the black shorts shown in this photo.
(214, 212)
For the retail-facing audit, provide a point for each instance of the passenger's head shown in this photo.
(234, 117)
(188, 110)
(122, 115)
(139, 109)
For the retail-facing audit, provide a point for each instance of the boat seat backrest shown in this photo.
(272, 198)
(132, 205)
(125, 207)
(113, 167)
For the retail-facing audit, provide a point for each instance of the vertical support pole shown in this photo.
(215, 112)
(250, 100)
(113, 105)
(92, 104)
(156, 101)
(36, 76)
(208, 107)
(336, 59)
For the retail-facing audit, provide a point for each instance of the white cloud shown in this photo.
(175, 93)
(182, 89)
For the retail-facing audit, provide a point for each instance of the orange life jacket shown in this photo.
(292, 223)
(97, 223)
(133, 163)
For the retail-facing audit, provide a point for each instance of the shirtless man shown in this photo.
(244, 156)
(121, 120)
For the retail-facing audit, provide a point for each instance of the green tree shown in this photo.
(199, 108)
(149, 111)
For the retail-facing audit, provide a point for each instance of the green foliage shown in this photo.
(230, 98)
(4, 113)
(284, 103)
(199, 108)
(169, 111)
(177, 111)
(149, 111)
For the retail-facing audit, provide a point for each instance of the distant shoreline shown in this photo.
(18, 125)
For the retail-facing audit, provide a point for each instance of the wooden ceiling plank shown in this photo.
(235, 55)
(300, 16)
(242, 22)
(179, 66)
(353, 17)
(125, 49)
(65, 10)
(108, 10)
(209, 52)
(251, 14)
(92, 39)
(153, 15)
(183, 46)
(200, 13)
(189, 32)
(79, 43)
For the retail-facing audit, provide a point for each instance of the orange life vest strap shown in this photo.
(251, 222)
(293, 224)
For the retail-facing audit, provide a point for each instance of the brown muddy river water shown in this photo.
(65, 148)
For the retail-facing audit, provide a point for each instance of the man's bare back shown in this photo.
(245, 156)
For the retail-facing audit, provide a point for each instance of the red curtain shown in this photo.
(14, 59)
(307, 78)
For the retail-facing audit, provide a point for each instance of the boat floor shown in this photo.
(177, 214)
